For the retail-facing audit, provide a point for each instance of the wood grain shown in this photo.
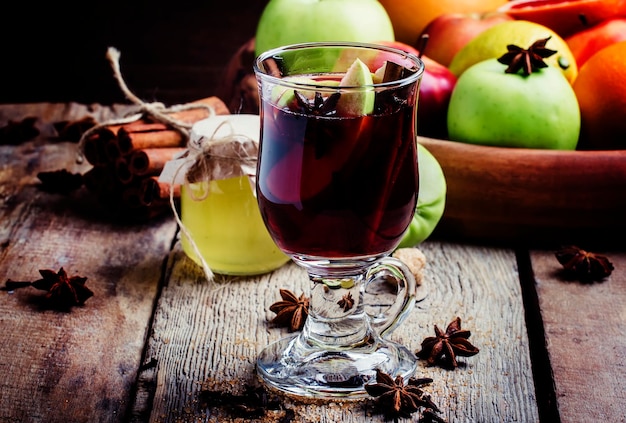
(584, 326)
(208, 335)
(77, 366)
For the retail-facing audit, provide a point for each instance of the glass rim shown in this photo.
(414, 76)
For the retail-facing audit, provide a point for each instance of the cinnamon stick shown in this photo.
(152, 190)
(131, 197)
(150, 161)
(95, 151)
(99, 179)
(128, 157)
(113, 150)
(122, 171)
(194, 115)
(149, 135)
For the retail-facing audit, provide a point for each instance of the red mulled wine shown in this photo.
(338, 186)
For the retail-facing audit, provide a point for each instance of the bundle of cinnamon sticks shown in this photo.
(127, 160)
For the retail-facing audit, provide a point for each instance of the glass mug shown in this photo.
(337, 186)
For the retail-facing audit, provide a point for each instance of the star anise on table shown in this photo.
(527, 60)
(62, 291)
(446, 346)
(60, 181)
(584, 265)
(292, 311)
(253, 403)
(429, 416)
(17, 132)
(346, 302)
(397, 399)
(73, 130)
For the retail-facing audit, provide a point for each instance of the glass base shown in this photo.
(294, 367)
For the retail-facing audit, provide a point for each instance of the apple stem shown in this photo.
(421, 44)
(583, 19)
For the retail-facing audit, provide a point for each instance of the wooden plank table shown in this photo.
(157, 340)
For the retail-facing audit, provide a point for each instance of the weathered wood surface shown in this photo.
(157, 334)
(585, 327)
(77, 366)
(209, 335)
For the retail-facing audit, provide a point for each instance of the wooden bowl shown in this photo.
(529, 196)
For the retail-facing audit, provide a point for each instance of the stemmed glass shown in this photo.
(337, 186)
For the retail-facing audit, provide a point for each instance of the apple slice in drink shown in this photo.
(283, 96)
(361, 102)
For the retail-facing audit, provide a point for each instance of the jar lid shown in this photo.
(220, 147)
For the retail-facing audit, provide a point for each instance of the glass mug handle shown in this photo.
(385, 316)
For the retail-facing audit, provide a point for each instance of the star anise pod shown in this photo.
(429, 416)
(292, 311)
(73, 130)
(528, 60)
(397, 399)
(62, 292)
(318, 106)
(584, 265)
(446, 346)
(253, 403)
(17, 132)
(346, 302)
(60, 181)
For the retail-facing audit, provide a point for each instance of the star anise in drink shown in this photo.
(528, 60)
(292, 311)
(62, 291)
(318, 106)
(446, 346)
(584, 265)
(397, 399)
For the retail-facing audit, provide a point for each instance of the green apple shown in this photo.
(285, 22)
(431, 199)
(491, 107)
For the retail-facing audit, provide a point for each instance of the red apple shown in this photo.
(434, 95)
(585, 43)
(449, 32)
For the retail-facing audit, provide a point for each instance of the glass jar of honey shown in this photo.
(219, 213)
